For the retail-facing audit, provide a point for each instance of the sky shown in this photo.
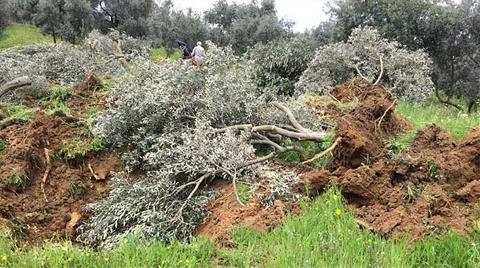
(305, 13)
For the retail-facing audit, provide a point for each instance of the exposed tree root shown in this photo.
(327, 151)
(45, 175)
(380, 120)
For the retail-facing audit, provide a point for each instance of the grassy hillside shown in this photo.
(20, 34)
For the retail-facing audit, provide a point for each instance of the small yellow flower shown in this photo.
(338, 212)
(4, 258)
(87, 254)
(335, 197)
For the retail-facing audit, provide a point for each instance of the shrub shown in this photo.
(406, 73)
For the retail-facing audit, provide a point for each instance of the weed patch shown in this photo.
(326, 235)
(16, 112)
(56, 100)
(77, 189)
(77, 149)
(17, 181)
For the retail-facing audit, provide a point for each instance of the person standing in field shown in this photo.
(198, 54)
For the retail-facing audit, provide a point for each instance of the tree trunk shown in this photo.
(447, 101)
(54, 35)
(472, 106)
(14, 84)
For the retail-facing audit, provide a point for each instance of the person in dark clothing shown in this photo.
(185, 50)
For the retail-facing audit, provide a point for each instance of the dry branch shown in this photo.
(93, 172)
(322, 154)
(295, 131)
(381, 72)
(14, 84)
(47, 171)
(291, 118)
(360, 73)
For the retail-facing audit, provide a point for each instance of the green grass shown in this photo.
(160, 54)
(20, 35)
(456, 123)
(450, 119)
(16, 112)
(56, 100)
(326, 235)
(244, 192)
(77, 149)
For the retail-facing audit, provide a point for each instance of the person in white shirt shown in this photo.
(199, 54)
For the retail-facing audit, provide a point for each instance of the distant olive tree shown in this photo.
(128, 16)
(71, 20)
(280, 71)
(49, 16)
(244, 25)
(167, 25)
(78, 20)
(3, 14)
(22, 11)
(366, 54)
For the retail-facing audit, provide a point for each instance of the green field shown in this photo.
(20, 35)
(325, 235)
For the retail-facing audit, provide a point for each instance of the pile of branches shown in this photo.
(67, 64)
(185, 128)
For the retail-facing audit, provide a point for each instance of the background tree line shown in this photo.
(241, 25)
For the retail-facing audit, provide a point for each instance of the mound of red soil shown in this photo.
(433, 186)
(226, 213)
(363, 129)
(35, 214)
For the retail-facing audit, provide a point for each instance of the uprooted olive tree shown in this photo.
(367, 55)
(184, 127)
(33, 67)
